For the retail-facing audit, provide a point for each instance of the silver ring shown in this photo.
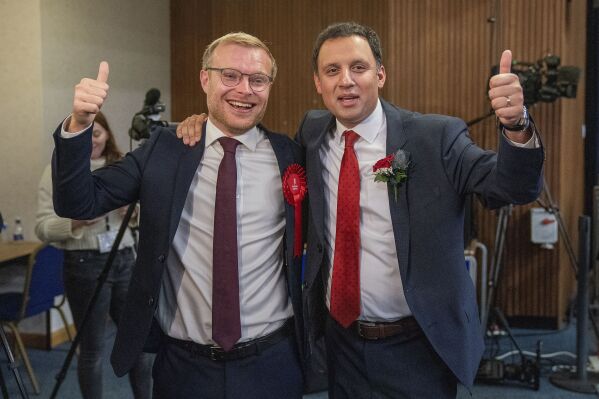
(509, 101)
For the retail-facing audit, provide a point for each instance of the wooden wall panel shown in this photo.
(437, 56)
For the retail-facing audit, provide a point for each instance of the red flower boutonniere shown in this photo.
(393, 170)
(294, 190)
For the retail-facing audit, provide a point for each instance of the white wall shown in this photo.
(47, 46)
(21, 124)
(133, 36)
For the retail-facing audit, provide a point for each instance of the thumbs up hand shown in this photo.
(505, 93)
(90, 94)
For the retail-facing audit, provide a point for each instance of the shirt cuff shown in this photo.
(68, 135)
(532, 143)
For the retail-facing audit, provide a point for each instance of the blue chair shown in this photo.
(43, 282)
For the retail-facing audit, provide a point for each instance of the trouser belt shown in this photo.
(240, 350)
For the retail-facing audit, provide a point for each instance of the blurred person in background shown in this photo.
(86, 245)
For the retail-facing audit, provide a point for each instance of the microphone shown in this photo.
(152, 104)
(152, 97)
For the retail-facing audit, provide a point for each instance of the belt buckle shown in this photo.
(361, 324)
(215, 351)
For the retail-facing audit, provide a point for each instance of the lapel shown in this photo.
(186, 170)
(400, 216)
(284, 155)
(314, 173)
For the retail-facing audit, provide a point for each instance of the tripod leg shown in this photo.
(21, 347)
(11, 363)
(495, 264)
(503, 321)
(3, 386)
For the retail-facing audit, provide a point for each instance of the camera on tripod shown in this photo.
(545, 80)
(149, 117)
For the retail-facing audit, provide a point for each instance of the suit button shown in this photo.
(304, 285)
(151, 301)
(319, 247)
(161, 258)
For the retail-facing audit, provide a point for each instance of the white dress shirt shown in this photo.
(185, 304)
(381, 288)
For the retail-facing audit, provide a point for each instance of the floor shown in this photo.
(558, 348)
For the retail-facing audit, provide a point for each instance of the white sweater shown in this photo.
(49, 227)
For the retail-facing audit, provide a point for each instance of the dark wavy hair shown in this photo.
(347, 29)
(111, 152)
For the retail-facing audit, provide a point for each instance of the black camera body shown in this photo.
(149, 117)
(545, 80)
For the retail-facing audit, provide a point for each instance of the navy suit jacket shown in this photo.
(428, 222)
(158, 174)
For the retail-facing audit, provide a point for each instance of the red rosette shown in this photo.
(294, 190)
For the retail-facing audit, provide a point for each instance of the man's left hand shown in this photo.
(506, 94)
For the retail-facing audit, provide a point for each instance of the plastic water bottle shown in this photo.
(17, 234)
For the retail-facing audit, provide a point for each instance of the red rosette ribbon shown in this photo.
(294, 190)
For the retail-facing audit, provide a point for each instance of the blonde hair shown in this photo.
(242, 39)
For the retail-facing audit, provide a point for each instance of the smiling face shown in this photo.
(235, 110)
(348, 78)
(99, 139)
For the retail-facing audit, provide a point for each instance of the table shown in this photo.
(12, 250)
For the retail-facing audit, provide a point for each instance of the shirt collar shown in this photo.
(248, 139)
(368, 129)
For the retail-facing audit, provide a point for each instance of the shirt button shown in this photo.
(161, 258)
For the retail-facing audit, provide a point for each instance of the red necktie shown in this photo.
(226, 326)
(345, 288)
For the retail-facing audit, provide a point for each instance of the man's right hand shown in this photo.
(190, 130)
(90, 94)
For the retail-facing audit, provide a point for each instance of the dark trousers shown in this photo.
(393, 368)
(273, 374)
(81, 272)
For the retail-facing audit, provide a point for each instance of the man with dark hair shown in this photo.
(387, 259)
(385, 280)
(345, 30)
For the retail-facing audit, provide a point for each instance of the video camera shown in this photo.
(149, 116)
(545, 80)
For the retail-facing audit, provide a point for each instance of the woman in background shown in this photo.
(86, 244)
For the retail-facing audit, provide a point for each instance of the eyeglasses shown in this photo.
(232, 77)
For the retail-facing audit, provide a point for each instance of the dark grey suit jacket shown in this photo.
(158, 174)
(428, 223)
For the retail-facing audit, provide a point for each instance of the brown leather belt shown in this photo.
(240, 350)
(378, 330)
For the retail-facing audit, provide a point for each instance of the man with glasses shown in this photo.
(216, 285)
(385, 280)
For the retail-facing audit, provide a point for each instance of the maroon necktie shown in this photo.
(226, 326)
(345, 288)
